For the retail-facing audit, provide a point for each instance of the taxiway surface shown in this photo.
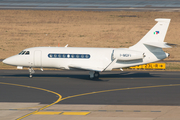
(71, 95)
(113, 88)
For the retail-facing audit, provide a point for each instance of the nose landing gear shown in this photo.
(31, 71)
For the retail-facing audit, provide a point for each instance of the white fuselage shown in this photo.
(86, 58)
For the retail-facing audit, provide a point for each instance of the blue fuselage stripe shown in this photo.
(81, 56)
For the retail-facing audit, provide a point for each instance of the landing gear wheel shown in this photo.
(96, 75)
(30, 76)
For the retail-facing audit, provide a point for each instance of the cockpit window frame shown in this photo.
(20, 53)
(27, 53)
(24, 52)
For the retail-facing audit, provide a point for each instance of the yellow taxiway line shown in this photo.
(75, 113)
(59, 99)
(47, 113)
(73, 96)
(60, 113)
(133, 88)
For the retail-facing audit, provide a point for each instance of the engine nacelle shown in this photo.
(126, 54)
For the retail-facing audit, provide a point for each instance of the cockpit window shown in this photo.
(27, 53)
(21, 52)
(24, 53)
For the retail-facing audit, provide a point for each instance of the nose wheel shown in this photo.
(30, 76)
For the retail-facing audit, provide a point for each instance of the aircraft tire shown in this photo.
(30, 76)
(96, 75)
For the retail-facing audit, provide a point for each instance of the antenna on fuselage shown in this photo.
(66, 45)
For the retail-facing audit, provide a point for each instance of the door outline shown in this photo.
(37, 58)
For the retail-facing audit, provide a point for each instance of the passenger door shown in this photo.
(38, 58)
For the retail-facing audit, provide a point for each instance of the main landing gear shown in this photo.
(94, 75)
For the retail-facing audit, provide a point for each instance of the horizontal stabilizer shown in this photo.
(88, 68)
(158, 44)
(162, 20)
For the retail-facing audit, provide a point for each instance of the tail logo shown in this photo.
(156, 32)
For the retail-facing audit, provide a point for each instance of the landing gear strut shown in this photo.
(31, 71)
(94, 75)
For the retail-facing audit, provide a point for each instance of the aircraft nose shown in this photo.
(4, 61)
(8, 61)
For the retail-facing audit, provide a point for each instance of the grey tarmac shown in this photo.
(68, 83)
(93, 5)
(128, 95)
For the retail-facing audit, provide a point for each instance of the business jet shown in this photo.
(95, 60)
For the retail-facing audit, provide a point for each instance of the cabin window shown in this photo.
(55, 56)
(59, 56)
(72, 56)
(69, 56)
(64, 56)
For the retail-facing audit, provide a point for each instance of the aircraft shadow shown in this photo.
(128, 75)
(86, 76)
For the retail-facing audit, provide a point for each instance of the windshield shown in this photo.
(24, 53)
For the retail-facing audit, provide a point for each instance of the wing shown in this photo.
(88, 68)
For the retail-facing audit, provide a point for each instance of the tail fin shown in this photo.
(155, 37)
